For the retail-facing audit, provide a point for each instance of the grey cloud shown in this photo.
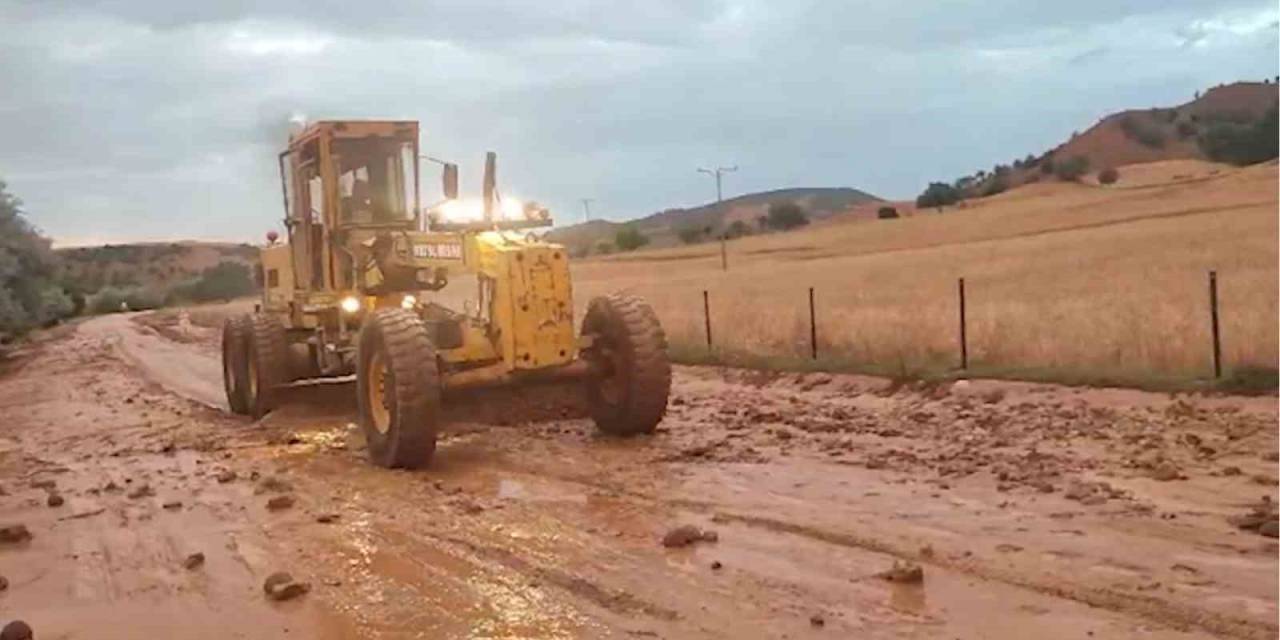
(120, 118)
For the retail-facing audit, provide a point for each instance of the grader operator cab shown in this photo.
(353, 289)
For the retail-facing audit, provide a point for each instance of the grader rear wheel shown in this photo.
(235, 363)
(266, 364)
(630, 396)
(398, 389)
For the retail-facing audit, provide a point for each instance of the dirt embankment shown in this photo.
(823, 506)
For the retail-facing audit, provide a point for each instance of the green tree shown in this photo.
(30, 293)
(887, 213)
(785, 216)
(938, 194)
(629, 238)
(998, 184)
(1072, 168)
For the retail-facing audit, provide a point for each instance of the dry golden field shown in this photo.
(1064, 281)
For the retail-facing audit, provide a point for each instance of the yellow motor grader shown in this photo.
(353, 289)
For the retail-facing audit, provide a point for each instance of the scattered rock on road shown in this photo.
(817, 620)
(685, 535)
(281, 586)
(4, 583)
(14, 533)
(55, 500)
(1270, 529)
(143, 490)
(1166, 471)
(903, 572)
(172, 504)
(273, 484)
(279, 503)
(225, 476)
(17, 630)
(1262, 517)
(194, 560)
(327, 518)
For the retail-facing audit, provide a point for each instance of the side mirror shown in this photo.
(450, 180)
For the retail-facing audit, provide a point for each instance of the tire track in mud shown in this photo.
(1150, 608)
(616, 601)
(1155, 610)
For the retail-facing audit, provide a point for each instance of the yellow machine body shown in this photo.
(382, 250)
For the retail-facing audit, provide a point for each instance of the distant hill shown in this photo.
(1148, 135)
(663, 227)
(1139, 135)
(154, 266)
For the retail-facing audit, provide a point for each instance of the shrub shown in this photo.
(630, 238)
(690, 235)
(995, 185)
(111, 299)
(938, 194)
(1145, 134)
(604, 248)
(1046, 165)
(886, 213)
(1241, 144)
(1108, 176)
(1187, 129)
(784, 216)
(225, 281)
(737, 230)
(1072, 168)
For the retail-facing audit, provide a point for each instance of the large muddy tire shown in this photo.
(629, 396)
(235, 363)
(267, 364)
(398, 389)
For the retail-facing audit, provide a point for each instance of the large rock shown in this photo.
(685, 535)
(14, 533)
(17, 630)
(281, 586)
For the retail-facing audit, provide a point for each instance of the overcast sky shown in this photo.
(159, 119)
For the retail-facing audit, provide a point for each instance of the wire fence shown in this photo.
(962, 324)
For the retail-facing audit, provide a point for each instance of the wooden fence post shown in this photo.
(964, 334)
(813, 328)
(1213, 323)
(706, 314)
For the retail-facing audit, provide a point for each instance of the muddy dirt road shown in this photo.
(1030, 511)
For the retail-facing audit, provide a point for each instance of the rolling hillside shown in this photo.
(155, 266)
(662, 227)
(1141, 135)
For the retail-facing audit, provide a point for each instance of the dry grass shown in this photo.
(1078, 279)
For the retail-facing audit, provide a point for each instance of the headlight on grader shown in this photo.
(408, 302)
(350, 304)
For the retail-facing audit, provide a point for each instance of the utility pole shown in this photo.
(718, 172)
(586, 208)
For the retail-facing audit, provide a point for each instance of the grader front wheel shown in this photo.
(629, 397)
(266, 364)
(235, 364)
(398, 389)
